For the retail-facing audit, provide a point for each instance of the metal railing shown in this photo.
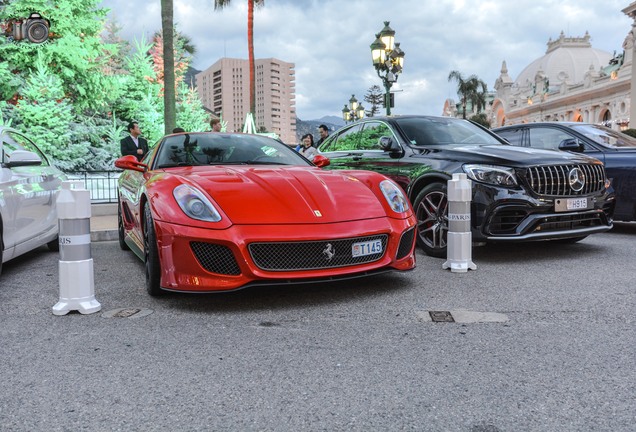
(101, 184)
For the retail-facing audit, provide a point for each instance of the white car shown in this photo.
(28, 192)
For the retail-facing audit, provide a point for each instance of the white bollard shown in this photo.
(77, 286)
(460, 238)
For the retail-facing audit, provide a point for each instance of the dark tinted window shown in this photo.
(513, 136)
(216, 148)
(423, 131)
(548, 138)
(605, 136)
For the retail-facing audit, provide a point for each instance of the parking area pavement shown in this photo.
(544, 339)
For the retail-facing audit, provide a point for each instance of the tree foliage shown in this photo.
(74, 52)
(374, 97)
(630, 132)
(482, 119)
(74, 93)
(46, 113)
(471, 89)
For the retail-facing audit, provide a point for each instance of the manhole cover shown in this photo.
(127, 313)
(441, 316)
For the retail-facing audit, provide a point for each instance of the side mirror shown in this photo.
(130, 162)
(321, 161)
(571, 144)
(22, 158)
(389, 145)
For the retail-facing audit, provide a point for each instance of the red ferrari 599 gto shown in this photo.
(216, 212)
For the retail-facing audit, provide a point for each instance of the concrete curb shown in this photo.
(104, 222)
(104, 235)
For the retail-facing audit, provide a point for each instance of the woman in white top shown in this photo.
(307, 148)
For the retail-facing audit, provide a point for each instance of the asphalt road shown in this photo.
(546, 342)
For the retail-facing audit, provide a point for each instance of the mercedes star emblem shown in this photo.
(576, 178)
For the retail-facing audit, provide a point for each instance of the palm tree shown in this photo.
(471, 90)
(220, 4)
(169, 97)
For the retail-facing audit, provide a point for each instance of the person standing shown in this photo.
(324, 133)
(215, 124)
(307, 148)
(134, 144)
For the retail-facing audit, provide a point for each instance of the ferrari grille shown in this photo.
(312, 255)
(215, 258)
(554, 180)
(406, 243)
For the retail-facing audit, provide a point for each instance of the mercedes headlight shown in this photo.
(195, 204)
(492, 174)
(394, 196)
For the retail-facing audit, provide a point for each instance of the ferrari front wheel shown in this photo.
(151, 255)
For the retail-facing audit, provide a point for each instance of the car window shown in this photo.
(606, 136)
(513, 136)
(371, 133)
(345, 140)
(425, 131)
(548, 138)
(13, 141)
(215, 149)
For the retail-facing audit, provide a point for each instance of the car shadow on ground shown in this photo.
(624, 228)
(280, 297)
(534, 252)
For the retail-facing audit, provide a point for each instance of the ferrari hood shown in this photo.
(287, 195)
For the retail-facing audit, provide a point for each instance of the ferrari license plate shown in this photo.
(370, 247)
(570, 204)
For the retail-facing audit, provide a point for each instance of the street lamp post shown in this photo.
(352, 112)
(388, 60)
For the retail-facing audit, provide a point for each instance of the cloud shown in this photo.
(328, 40)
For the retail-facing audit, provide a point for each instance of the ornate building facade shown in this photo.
(572, 82)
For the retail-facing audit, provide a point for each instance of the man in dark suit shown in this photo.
(323, 130)
(134, 144)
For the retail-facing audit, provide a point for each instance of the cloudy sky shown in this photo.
(328, 40)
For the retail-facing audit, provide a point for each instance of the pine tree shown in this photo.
(374, 97)
(46, 114)
(190, 113)
(74, 51)
(142, 101)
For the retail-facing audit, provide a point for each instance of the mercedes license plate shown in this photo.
(370, 247)
(570, 204)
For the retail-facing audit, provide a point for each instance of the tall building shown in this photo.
(224, 89)
(572, 82)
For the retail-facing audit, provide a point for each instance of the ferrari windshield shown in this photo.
(211, 148)
(427, 131)
(605, 136)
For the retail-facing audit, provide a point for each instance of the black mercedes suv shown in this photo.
(518, 194)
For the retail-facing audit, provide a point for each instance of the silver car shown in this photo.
(28, 192)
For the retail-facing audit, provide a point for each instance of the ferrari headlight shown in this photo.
(492, 174)
(394, 196)
(195, 204)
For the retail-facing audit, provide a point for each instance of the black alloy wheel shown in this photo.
(120, 229)
(431, 210)
(151, 255)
